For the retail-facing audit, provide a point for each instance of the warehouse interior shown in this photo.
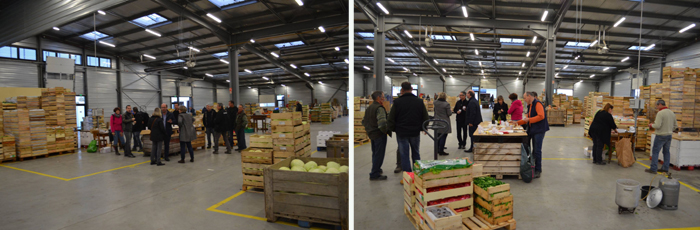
(587, 50)
(265, 55)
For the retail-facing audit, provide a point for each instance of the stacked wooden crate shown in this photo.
(569, 116)
(326, 113)
(51, 139)
(8, 147)
(642, 132)
(290, 136)
(250, 108)
(498, 158)
(200, 131)
(68, 143)
(22, 102)
(255, 159)
(360, 132)
(94, 119)
(305, 113)
(17, 123)
(687, 116)
(356, 103)
(429, 105)
(71, 120)
(409, 194)
(556, 116)
(696, 122)
(493, 204)
(453, 188)
(315, 114)
(2, 122)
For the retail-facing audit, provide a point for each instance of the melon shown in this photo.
(343, 169)
(322, 167)
(316, 170)
(298, 169)
(332, 164)
(297, 162)
(332, 170)
(310, 165)
(285, 168)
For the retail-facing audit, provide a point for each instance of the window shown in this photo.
(366, 34)
(63, 55)
(567, 92)
(27, 54)
(92, 61)
(106, 62)
(99, 61)
(77, 58)
(18, 53)
(149, 20)
(231, 3)
(289, 44)
(8, 52)
(220, 55)
(577, 45)
(49, 54)
(174, 61)
(443, 37)
(94, 35)
(642, 47)
(513, 41)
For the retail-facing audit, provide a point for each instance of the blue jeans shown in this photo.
(537, 140)
(240, 137)
(665, 142)
(118, 138)
(441, 143)
(137, 139)
(184, 147)
(378, 152)
(404, 144)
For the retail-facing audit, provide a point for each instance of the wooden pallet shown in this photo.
(499, 176)
(412, 219)
(361, 141)
(253, 188)
(33, 157)
(477, 223)
(9, 160)
(56, 153)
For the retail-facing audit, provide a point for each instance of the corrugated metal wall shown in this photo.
(222, 94)
(536, 85)
(622, 85)
(690, 54)
(506, 87)
(429, 86)
(581, 89)
(138, 89)
(102, 89)
(203, 94)
(453, 86)
(248, 96)
(299, 91)
(358, 91)
(79, 81)
(324, 92)
(605, 85)
(18, 74)
(371, 85)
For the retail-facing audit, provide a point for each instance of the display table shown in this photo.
(500, 154)
(684, 151)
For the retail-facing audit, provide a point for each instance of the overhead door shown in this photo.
(102, 89)
(222, 95)
(248, 96)
(299, 91)
(203, 94)
(18, 74)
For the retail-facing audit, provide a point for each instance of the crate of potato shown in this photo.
(494, 200)
(308, 189)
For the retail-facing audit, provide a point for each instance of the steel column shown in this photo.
(233, 73)
(379, 53)
(85, 80)
(119, 82)
(549, 67)
(160, 92)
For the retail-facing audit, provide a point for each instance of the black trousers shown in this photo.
(462, 134)
(472, 129)
(598, 144)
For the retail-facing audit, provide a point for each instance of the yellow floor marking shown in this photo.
(213, 208)
(109, 170)
(37, 173)
(70, 179)
(684, 184)
(690, 228)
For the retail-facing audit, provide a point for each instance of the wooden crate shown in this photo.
(261, 141)
(477, 223)
(253, 175)
(295, 134)
(494, 219)
(453, 222)
(447, 177)
(256, 155)
(338, 148)
(492, 193)
(290, 141)
(305, 196)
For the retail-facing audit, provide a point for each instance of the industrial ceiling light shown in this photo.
(149, 56)
(283, 85)
(184, 67)
(606, 68)
(476, 51)
(414, 74)
(367, 68)
(192, 48)
(687, 28)
(520, 73)
(224, 61)
(153, 32)
(479, 63)
(275, 54)
(435, 60)
(214, 18)
(534, 39)
(581, 81)
(320, 82)
(566, 66)
(370, 48)
(650, 47)
(228, 80)
(592, 75)
(523, 65)
(347, 61)
(307, 74)
(321, 29)
(423, 49)
(528, 54)
(556, 74)
(464, 11)
(482, 71)
(576, 57)
(450, 76)
(544, 15)
(623, 60)
(108, 44)
(593, 43)
(248, 87)
(471, 35)
(391, 60)
(247, 70)
(404, 68)
(300, 2)
(337, 48)
(56, 28)
(293, 65)
(209, 75)
(101, 12)
(619, 21)
(265, 78)
(382, 8)
(407, 33)
(252, 40)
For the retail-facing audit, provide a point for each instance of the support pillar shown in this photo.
(233, 73)
(549, 69)
(40, 67)
(119, 82)
(661, 69)
(379, 54)
(160, 92)
(85, 82)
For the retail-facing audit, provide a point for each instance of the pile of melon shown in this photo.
(311, 166)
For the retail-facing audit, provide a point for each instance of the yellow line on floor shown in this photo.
(109, 170)
(213, 208)
(37, 173)
(690, 228)
(684, 184)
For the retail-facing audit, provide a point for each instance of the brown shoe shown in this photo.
(401, 182)
(649, 171)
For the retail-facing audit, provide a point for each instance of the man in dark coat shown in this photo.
(168, 121)
(299, 109)
(406, 119)
(221, 129)
(209, 123)
(473, 118)
(461, 110)
(139, 125)
(232, 111)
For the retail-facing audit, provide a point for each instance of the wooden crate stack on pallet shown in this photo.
(696, 122)
(360, 135)
(556, 116)
(642, 132)
(305, 113)
(255, 159)
(290, 136)
(71, 120)
(199, 130)
(688, 101)
(315, 114)
(498, 158)
(326, 113)
(429, 105)
(493, 204)
(37, 127)
(8, 147)
(452, 188)
(356, 103)
(17, 121)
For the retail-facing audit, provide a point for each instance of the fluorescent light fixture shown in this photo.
(581, 81)
(247, 70)
(623, 60)
(149, 56)
(224, 61)
(444, 70)
(293, 65)
(482, 71)
(214, 18)
(209, 75)
(337, 48)
(606, 68)
(184, 67)
(435, 60)
(687, 28)
(450, 76)
(367, 68)
(620, 21)
(534, 39)
(391, 60)
(464, 11)
(265, 78)
(283, 85)
(407, 33)
(307, 74)
(56, 28)
(153, 32)
(528, 54)
(347, 61)
(252, 40)
(566, 66)
(228, 80)
(650, 47)
(415, 74)
(594, 42)
(576, 57)
(300, 2)
(105, 43)
(523, 65)
(544, 15)
(195, 49)
(404, 68)
(479, 63)
(320, 82)
(471, 35)
(382, 8)
(248, 87)
(275, 54)
(592, 75)
(521, 72)
(476, 51)
(517, 78)
(423, 49)
(370, 48)
(556, 74)
(101, 12)
(321, 29)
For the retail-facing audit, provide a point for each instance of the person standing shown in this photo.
(461, 110)
(139, 124)
(241, 124)
(187, 134)
(158, 135)
(664, 124)
(221, 129)
(375, 124)
(537, 127)
(127, 127)
(491, 101)
(599, 131)
(298, 109)
(516, 108)
(500, 109)
(473, 118)
(406, 120)
(442, 112)
(167, 119)
(232, 112)
(115, 122)
(209, 123)
(176, 112)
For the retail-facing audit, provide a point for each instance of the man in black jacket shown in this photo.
(232, 111)
(461, 111)
(139, 125)
(221, 129)
(168, 121)
(406, 120)
(209, 123)
(473, 118)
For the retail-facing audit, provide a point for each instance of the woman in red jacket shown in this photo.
(115, 123)
(516, 108)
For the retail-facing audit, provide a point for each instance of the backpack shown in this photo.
(527, 166)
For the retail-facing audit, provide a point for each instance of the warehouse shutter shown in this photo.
(222, 95)
(248, 96)
(102, 89)
(139, 90)
(203, 94)
(18, 74)
(299, 91)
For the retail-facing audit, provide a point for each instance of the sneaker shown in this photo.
(181, 161)
(661, 170)
(382, 177)
(397, 170)
(649, 171)
(443, 154)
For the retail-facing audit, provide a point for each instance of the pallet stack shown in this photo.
(356, 103)
(315, 114)
(255, 159)
(95, 120)
(200, 131)
(37, 125)
(494, 204)
(8, 147)
(326, 113)
(696, 122)
(18, 121)
(360, 132)
(290, 136)
(498, 159)
(687, 117)
(71, 120)
(22, 102)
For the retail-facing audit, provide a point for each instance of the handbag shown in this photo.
(527, 166)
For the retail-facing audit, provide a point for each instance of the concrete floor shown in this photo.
(571, 194)
(205, 194)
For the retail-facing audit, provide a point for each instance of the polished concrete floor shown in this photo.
(104, 191)
(571, 194)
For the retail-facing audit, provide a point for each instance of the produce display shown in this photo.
(436, 166)
(312, 166)
(486, 182)
(448, 187)
(449, 200)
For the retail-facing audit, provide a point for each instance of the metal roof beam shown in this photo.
(275, 62)
(222, 34)
(116, 22)
(459, 22)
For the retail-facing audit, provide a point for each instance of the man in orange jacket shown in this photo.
(536, 120)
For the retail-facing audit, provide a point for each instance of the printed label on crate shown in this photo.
(282, 135)
(283, 148)
(282, 123)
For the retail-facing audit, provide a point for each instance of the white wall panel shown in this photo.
(581, 89)
(622, 85)
(79, 81)
(102, 89)
(430, 86)
(299, 91)
(325, 92)
(675, 59)
(203, 94)
(536, 85)
(605, 84)
(185, 90)
(267, 91)
(248, 96)
(455, 85)
(168, 87)
(222, 95)
(508, 86)
(28, 42)
(359, 85)
(654, 76)
(139, 89)
(18, 74)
